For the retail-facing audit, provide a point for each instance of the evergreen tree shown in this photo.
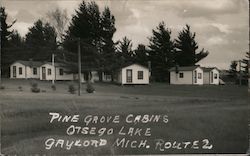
(5, 35)
(141, 55)
(86, 25)
(108, 58)
(245, 63)
(125, 51)
(161, 50)
(186, 49)
(15, 39)
(5, 28)
(233, 69)
(41, 41)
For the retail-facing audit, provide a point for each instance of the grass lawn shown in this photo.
(216, 113)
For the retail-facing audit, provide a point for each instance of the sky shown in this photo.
(221, 26)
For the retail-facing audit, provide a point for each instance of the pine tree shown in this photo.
(41, 40)
(15, 39)
(5, 28)
(186, 49)
(5, 35)
(233, 69)
(125, 51)
(245, 63)
(161, 50)
(86, 25)
(108, 58)
(141, 55)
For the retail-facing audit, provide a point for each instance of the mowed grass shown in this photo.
(217, 113)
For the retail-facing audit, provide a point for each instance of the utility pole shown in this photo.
(54, 69)
(248, 151)
(0, 48)
(79, 66)
(249, 51)
(0, 83)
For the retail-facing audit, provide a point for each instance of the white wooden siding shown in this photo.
(135, 68)
(215, 81)
(18, 76)
(199, 81)
(188, 77)
(55, 73)
(208, 76)
(175, 78)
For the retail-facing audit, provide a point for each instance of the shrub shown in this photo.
(53, 87)
(34, 88)
(90, 88)
(72, 89)
(20, 88)
(2, 87)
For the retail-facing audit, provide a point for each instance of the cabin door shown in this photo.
(129, 75)
(195, 76)
(14, 71)
(212, 77)
(43, 73)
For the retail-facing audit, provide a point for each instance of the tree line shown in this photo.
(100, 52)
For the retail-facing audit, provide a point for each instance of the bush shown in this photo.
(72, 89)
(2, 87)
(34, 88)
(53, 87)
(20, 88)
(90, 88)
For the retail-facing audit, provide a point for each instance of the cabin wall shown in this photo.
(176, 79)
(199, 79)
(18, 76)
(135, 68)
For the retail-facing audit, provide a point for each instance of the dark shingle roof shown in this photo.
(56, 64)
(184, 68)
(129, 64)
(205, 69)
(30, 63)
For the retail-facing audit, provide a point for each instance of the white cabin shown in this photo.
(190, 75)
(25, 70)
(133, 74)
(57, 72)
(211, 76)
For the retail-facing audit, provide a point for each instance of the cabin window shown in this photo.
(181, 75)
(34, 71)
(20, 69)
(49, 71)
(140, 75)
(199, 76)
(60, 71)
(215, 76)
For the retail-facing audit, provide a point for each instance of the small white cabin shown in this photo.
(211, 76)
(133, 74)
(191, 75)
(25, 70)
(57, 72)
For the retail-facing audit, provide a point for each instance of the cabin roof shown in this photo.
(184, 68)
(208, 69)
(29, 63)
(129, 64)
